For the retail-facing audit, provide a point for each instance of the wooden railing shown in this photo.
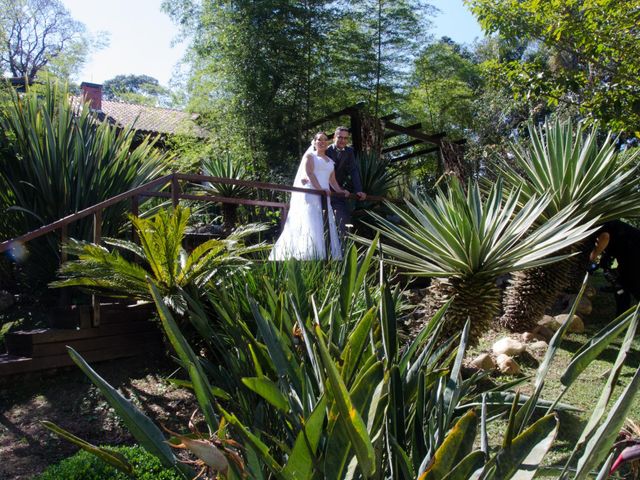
(152, 189)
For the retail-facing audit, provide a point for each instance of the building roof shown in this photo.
(151, 119)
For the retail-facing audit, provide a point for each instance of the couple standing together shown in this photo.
(323, 167)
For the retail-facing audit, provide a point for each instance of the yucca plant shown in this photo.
(159, 256)
(465, 242)
(57, 158)
(226, 167)
(573, 168)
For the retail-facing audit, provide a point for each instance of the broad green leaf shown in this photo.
(115, 459)
(349, 417)
(534, 441)
(466, 467)
(455, 447)
(301, 461)
(590, 351)
(268, 390)
(199, 380)
(356, 343)
(260, 449)
(140, 426)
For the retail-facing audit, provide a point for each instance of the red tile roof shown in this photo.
(151, 120)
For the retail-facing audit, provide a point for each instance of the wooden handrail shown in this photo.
(175, 194)
(7, 244)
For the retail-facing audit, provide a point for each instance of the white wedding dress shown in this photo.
(303, 236)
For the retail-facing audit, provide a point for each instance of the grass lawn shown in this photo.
(584, 392)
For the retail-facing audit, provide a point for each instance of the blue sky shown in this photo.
(141, 36)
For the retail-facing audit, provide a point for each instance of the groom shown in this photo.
(345, 166)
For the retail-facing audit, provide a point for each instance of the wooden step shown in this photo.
(14, 365)
(124, 331)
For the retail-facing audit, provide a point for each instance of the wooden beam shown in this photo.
(339, 113)
(414, 154)
(415, 126)
(391, 116)
(435, 139)
(402, 146)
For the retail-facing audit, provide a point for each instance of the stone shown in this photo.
(507, 346)
(577, 325)
(484, 362)
(545, 333)
(507, 365)
(525, 358)
(590, 291)
(539, 345)
(584, 306)
(529, 337)
(549, 322)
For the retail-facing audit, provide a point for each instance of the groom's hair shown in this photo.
(341, 128)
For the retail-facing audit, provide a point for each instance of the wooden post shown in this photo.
(135, 211)
(97, 238)
(175, 190)
(356, 131)
(64, 236)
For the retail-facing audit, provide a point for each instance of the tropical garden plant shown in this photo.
(332, 395)
(574, 166)
(159, 256)
(57, 158)
(464, 242)
(225, 166)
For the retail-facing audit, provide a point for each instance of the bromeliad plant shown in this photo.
(573, 168)
(332, 395)
(465, 242)
(160, 256)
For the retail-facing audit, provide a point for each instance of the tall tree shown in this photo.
(140, 89)
(36, 34)
(262, 70)
(593, 53)
(249, 69)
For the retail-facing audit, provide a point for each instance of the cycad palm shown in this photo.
(161, 257)
(575, 170)
(466, 242)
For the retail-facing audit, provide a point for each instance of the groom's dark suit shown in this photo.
(345, 166)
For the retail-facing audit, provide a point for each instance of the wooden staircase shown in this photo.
(124, 331)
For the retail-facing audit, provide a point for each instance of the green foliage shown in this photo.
(460, 235)
(577, 168)
(37, 35)
(593, 54)
(84, 466)
(447, 81)
(161, 256)
(263, 70)
(55, 160)
(138, 89)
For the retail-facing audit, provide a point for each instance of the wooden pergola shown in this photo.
(371, 134)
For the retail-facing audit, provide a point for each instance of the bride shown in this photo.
(303, 235)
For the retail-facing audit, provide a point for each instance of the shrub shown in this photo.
(85, 466)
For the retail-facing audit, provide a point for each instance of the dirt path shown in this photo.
(67, 398)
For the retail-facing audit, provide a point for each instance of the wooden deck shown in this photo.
(124, 331)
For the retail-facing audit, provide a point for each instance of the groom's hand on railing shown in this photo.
(361, 195)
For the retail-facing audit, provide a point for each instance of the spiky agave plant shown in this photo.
(225, 167)
(573, 169)
(465, 242)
